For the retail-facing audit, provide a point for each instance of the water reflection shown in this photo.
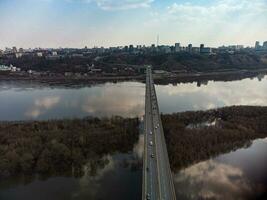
(19, 102)
(216, 94)
(238, 175)
(124, 99)
(41, 105)
(229, 176)
(139, 147)
(112, 176)
(211, 179)
(118, 178)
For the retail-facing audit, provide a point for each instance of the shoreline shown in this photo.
(159, 78)
(210, 76)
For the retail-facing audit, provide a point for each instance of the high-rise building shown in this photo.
(177, 47)
(201, 48)
(165, 49)
(153, 48)
(205, 50)
(264, 45)
(125, 48)
(257, 45)
(14, 49)
(8, 50)
(189, 48)
(131, 48)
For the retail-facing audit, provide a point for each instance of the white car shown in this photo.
(150, 143)
(150, 132)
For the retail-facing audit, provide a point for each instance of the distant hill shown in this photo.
(193, 61)
(182, 61)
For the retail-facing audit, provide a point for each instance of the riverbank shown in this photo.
(209, 76)
(163, 78)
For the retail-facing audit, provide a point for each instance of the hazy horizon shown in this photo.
(79, 23)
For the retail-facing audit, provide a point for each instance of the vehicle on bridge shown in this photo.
(157, 181)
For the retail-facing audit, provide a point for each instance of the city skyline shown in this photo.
(79, 23)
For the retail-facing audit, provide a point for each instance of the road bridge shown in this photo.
(157, 175)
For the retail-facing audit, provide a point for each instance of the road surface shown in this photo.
(157, 176)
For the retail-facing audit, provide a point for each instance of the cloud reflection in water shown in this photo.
(41, 105)
(214, 180)
(216, 94)
(113, 100)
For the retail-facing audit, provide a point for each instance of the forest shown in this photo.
(57, 147)
(193, 62)
(194, 136)
(64, 147)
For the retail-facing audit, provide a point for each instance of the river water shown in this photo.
(241, 174)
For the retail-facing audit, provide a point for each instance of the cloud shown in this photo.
(34, 113)
(229, 21)
(221, 10)
(41, 105)
(215, 94)
(214, 180)
(139, 147)
(94, 182)
(115, 100)
(47, 102)
(121, 4)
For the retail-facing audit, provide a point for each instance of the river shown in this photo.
(241, 174)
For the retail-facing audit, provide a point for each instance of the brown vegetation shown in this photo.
(64, 146)
(60, 146)
(192, 62)
(236, 126)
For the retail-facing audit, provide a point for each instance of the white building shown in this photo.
(39, 54)
(4, 68)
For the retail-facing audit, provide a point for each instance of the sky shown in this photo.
(79, 23)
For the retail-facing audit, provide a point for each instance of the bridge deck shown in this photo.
(157, 176)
